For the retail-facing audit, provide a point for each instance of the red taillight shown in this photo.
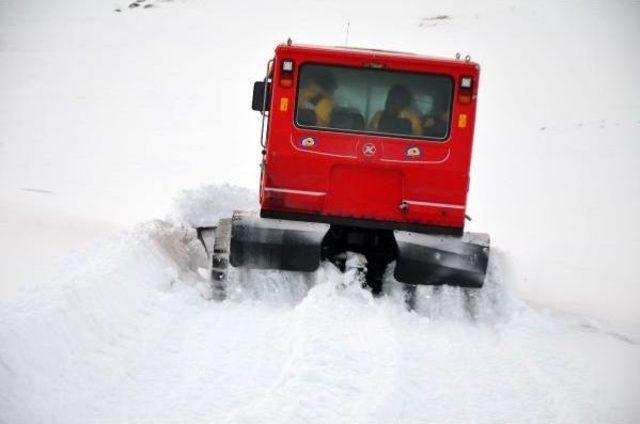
(464, 98)
(286, 82)
(286, 73)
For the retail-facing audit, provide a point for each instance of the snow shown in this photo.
(109, 119)
(127, 334)
(205, 206)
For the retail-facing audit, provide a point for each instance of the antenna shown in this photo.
(346, 38)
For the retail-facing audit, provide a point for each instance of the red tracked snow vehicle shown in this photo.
(365, 151)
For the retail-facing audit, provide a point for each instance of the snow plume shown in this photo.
(125, 333)
(206, 205)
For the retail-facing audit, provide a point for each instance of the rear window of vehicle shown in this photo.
(374, 101)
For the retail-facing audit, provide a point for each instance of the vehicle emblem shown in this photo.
(308, 142)
(413, 151)
(369, 149)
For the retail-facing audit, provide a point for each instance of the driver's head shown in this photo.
(398, 98)
(318, 81)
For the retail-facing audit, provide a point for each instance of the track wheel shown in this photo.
(220, 259)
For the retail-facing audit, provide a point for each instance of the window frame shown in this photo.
(372, 133)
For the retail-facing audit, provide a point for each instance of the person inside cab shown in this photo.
(398, 116)
(436, 124)
(315, 98)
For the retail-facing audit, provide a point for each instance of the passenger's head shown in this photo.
(320, 81)
(440, 107)
(398, 98)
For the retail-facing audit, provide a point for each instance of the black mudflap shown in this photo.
(455, 261)
(265, 243)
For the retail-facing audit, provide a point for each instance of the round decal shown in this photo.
(369, 149)
(413, 151)
(308, 142)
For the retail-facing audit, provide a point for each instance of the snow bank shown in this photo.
(126, 334)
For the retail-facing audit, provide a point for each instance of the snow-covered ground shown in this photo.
(107, 117)
(127, 334)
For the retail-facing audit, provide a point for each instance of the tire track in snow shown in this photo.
(313, 385)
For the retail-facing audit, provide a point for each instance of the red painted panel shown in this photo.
(364, 192)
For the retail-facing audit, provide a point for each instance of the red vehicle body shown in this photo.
(364, 178)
